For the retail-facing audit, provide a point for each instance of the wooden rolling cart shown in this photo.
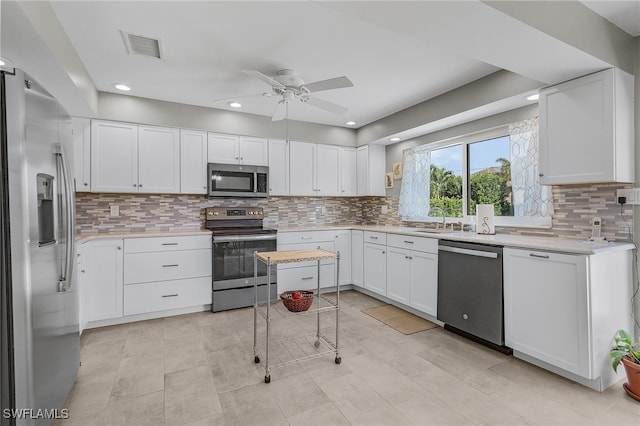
(320, 305)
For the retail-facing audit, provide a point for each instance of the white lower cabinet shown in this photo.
(100, 280)
(562, 310)
(375, 268)
(357, 258)
(342, 244)
(166, 295)
(166, 273)
(412, 271)
(398, 274)
(303, 275)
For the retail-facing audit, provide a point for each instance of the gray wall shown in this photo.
(492, 88)
(133, 109)
(394, 151)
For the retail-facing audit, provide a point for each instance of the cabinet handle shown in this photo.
(236, 158)
(374, 238)
(408, 242)
(135, 185)
(242, 158)
(540, 174)
(306, 238)
(307, 278)
(384, 252)
(170, 295)
(82, 270)
(541, 256)
(204, 187)
(140, 186)
(119, 248)
(170, 266)
(169, 244)
(86, 184)
(410, 257)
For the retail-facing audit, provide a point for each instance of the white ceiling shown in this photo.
(397, 55)
(623, 14)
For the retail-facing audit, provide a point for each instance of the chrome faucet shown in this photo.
(444, 216)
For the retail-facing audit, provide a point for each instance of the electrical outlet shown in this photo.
(384, 209)
(632, 194)
(323, 210)
(114, 210)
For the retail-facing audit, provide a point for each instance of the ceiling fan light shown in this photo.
(350, 123)
(235, 104)
(122, 87)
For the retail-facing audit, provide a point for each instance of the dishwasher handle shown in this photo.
(478, 253)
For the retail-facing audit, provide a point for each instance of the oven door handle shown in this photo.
(234, 238)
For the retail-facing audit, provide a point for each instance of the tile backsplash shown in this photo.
(574, 208)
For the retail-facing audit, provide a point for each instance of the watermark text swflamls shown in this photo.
(35, 414)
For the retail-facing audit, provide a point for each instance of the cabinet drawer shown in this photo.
(429, 245)
(160, 296)
(190, 242)
(305, 237)
(330, 245)
(305, 278)
(165, 266)
(375, 237)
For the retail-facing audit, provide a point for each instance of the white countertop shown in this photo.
(82, 238)
(562, 245)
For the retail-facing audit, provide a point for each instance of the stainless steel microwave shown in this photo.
(231, 180)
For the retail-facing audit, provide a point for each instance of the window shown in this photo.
(498, 167)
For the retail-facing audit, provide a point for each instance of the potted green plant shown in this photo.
(627, 352)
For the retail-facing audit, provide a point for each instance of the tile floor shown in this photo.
(198, 369)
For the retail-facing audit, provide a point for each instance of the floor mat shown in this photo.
(399, 320)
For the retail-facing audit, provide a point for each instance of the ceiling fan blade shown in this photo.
(327, 106)
(332, 83)
(280, 112)
(265, 78)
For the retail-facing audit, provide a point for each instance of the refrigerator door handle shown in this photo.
(69, 215)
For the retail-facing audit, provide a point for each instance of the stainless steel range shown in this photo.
(237, 233)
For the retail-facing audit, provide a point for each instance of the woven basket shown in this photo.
(297, 305)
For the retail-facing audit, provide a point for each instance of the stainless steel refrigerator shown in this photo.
(39, 330)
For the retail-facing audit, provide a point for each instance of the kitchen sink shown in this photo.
(435, 231)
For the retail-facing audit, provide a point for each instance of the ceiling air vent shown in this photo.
(140, 45)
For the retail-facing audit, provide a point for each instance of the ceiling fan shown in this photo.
(287, 84)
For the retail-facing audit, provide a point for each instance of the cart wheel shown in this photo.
(316, 343)
(256, 359)
(267, 379)
(338, 360)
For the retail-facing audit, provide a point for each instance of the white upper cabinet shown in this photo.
(193, 162)
(278, 167)
(302, 173)
(327, 166)
(159, 160)
(253, 151)
(370, 163)
(130, 158)
(82, 153)
(232, 149)
(114, 157)
(348, 173)
(223, 148)
(586, 130)
(316, 169)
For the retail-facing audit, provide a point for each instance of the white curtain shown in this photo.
(530, 199)
(414, 192)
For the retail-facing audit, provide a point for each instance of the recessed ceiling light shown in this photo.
(395, 139)
(122, 87)
(350, 123)
(533, 97)
(235, 104)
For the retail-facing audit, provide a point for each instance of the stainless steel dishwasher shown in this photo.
(470, 291)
